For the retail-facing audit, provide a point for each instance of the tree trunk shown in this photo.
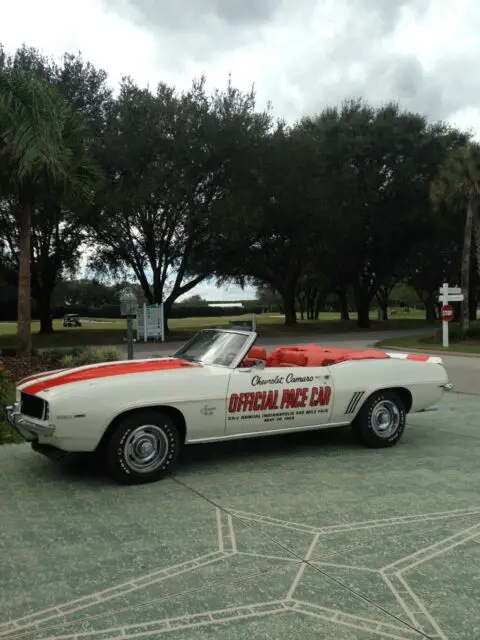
(363, 299)
(466, 257)
(383, 310)
(301, 304)
(474, 287)
(318, 304)
(167, 308)
(342, 298)
(383, 298)
(363, 312)
(476, 233)
(430, 312)
(42, 294)
(24, 311)
(473, 301)
(46, 324)
(311, 301)
(289, 305)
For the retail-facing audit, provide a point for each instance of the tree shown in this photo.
(194, 301)
(266, 297)
(169, 159)
(458, 184)
(56, 232)
(277, 212)
(32, 117)
(380, 163)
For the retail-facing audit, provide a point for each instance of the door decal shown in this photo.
(284, 404)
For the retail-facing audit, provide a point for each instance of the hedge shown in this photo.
(9, 312)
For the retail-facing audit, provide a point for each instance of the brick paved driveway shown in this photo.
(306, 537)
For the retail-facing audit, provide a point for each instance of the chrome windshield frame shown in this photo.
(251, 337)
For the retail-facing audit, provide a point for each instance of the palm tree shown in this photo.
(458, 184)
(41, 146)
(476, 235)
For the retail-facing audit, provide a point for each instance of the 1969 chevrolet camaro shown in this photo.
(137, 414)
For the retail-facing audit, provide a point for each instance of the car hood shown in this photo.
(97, 372)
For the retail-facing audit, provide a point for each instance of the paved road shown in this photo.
(464, 372)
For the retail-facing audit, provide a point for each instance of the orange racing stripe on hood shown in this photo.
(36, 376)
(107, 371)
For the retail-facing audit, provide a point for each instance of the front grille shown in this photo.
(33, 406)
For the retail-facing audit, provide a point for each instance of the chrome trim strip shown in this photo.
(269, 432)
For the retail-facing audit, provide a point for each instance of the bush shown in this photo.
(7, 396)
(458, 335)
(89, 355)
(8, 312)
(11, 352)
(19, 368)
(3, 381)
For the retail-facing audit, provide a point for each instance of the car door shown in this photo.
(278, 398)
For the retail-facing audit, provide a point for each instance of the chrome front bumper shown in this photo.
(28, 429)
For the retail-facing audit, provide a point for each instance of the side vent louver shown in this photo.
(354, 400)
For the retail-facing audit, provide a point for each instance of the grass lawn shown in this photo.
(102, 331)
(432, 342)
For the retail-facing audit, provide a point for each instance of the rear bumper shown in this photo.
(448, 386)
(27, 428)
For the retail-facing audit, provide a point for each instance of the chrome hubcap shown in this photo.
(146, 448)
(385, 419)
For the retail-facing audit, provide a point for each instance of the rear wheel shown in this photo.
(143, 448)
(381, 421)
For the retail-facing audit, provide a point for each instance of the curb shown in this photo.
(433, 352)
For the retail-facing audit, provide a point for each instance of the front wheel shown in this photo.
(381, 421)
(143, 448)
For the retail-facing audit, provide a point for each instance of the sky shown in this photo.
(301, 55)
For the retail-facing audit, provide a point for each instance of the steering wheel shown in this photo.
(227, 359)
(230, 357)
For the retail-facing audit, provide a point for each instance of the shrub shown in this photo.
(457, 334)
(19, 368)
(7, 396)
(89, 355)
(3, 380)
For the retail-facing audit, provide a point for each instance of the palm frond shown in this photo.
(42, 138)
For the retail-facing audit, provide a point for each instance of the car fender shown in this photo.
(356, 381)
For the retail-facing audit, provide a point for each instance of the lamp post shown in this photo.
(128, 309)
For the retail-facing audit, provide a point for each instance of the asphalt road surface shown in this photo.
(463, 371)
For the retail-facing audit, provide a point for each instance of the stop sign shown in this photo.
(447, 312)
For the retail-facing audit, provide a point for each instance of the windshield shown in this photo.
(214, 347)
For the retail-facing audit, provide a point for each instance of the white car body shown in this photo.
(71, 410)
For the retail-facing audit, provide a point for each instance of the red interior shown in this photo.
(309, 355)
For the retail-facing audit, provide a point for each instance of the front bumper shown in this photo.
(27, 428)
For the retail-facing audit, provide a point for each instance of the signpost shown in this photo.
(150, 322)
(447, 312)
(128, 309)
(447, 295)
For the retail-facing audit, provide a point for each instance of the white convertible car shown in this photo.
(137, 414)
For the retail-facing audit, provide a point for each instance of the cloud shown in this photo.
(300, 55)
